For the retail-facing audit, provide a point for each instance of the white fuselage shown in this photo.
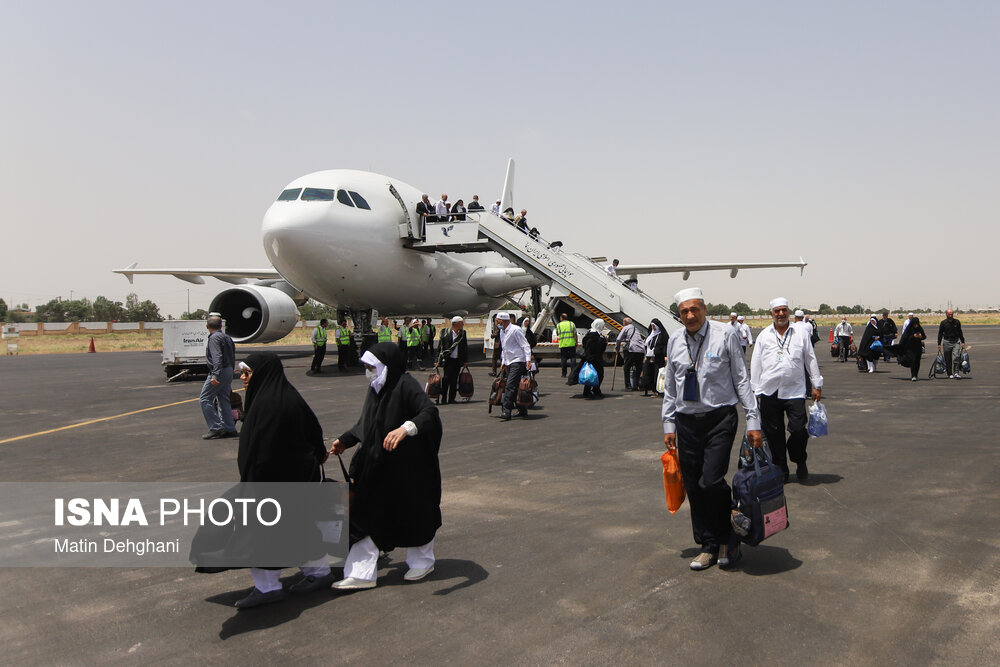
(345, 255)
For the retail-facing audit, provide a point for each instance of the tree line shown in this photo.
(100, 309)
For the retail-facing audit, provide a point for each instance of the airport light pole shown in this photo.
(189, 301)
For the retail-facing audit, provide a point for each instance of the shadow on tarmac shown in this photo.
(758, 561)
(289, 609)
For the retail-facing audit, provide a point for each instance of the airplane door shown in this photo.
(411, 228)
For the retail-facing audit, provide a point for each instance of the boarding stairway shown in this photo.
(573, 278)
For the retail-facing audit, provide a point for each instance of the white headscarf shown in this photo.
(381, 370)
(654, 331)
(597, 326)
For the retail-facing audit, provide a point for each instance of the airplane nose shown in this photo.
(286, 223)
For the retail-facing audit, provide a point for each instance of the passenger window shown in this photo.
(289, 195)
(344, 198)
(317, 194)
(359, 201)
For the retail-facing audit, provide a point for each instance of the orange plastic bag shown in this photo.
(673, 483)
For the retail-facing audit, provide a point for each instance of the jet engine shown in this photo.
(489, 281)
(256, 314)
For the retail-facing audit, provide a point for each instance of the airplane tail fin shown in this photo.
(507, 198)
(128, 275)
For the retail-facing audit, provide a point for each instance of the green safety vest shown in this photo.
(343, 336)
(412, 337)
(567, 333)
(384, 334)
(425, 334)
(320, 336)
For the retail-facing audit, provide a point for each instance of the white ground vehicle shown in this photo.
(184, 344)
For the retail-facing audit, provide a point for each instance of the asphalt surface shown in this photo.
(556, 546)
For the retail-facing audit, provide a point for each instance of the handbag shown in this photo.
(433, 386)
(466, 388)
(673, 481)
(759, 495)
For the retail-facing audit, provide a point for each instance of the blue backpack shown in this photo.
(759, 495)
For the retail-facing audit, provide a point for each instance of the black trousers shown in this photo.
(567, 357)
(319, 352)
(515, 372)
(772, 420)
(449, 380)
(596, 391)
(632, 367)
(915, 366)
(704, 444)
(342, 354)
(413, 356)
(845, 347)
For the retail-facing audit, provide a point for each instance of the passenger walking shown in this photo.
(706, 377)
(441, 209)
(474, 205)
(911, 347)
(566, 335)
(594, 344)
(220, 356)
(889, 331)
(782, 358)
(396, 475)
(281, 441)
(454, 355)
(425, 210)
(319, 347)
(515, 358)
(612, 268)
(869, 336)
(654, 355)
(458, 211)
(844, 333)
(745, 335)
(635, 347)
(528, 333)
(497, 347)
(950, 330)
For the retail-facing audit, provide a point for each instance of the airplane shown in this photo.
(339, 236)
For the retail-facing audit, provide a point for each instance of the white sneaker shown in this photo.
(352, 584)
(913, 379)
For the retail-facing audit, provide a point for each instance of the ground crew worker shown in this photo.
(319, 346)
(384, 331)
(413, 344)
(343, 336)
(566, 333)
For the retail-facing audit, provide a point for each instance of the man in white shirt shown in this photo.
(495, 209)
(745, 335)
(612, 269)
(515, 355)
(635, 349)
(781, 358)
(844, 332)
(441, 208)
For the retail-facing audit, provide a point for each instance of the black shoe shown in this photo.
(256, 598)
(230, 434)
(786, 477)
(802, 472)
(310, 372)
(213, 435)
(522, 413)
(492, 374)
(313, 583)
(505, 415)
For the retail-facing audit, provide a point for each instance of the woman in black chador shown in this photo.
(281, 441)
(910, 347)
(655, 356)
(397, 480)
(870, 335)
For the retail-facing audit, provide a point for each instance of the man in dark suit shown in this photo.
(454, 354)
(425, 210)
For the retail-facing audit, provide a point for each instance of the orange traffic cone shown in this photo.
(831, 334)
(92, 348)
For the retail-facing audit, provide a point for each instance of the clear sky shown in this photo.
(861, 136)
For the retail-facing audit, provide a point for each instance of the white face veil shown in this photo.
(381, 370)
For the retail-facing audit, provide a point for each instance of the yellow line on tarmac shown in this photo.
(102, 419)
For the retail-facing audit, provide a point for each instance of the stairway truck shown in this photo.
(184, 345)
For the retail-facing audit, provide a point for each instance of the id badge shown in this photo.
(691, 385)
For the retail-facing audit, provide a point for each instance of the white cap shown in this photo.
(779, 301)
(688, 294)
(732, 314)
(799, 313)
(909, 314)
(457, 318)
(503, 316)
(740, 318)
(243, 367)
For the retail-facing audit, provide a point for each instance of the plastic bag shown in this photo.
(673, 483)
(746, 452)
(588, 375)
(876, 347)
(817, 420)
(661, 380)
(964, 363)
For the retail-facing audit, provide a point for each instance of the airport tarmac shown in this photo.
(556, 545)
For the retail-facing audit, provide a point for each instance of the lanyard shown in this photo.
(696, 359)
(784, 339)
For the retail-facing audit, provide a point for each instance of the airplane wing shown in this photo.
(197, 276)
(687, 269)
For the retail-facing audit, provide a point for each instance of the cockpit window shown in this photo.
(359, 201)
(289, 195)
(317, 194)
(344, 198)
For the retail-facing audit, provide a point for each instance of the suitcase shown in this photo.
(465, 385)
(496, 392)
(835, 350)
(433, 386)
(525, 392)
